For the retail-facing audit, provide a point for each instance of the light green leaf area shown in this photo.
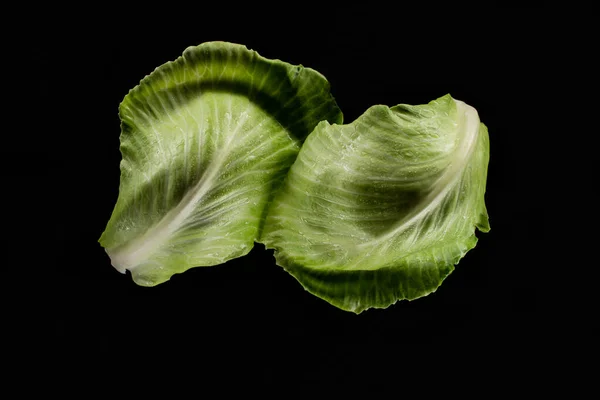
(381, 209)
(205, 142)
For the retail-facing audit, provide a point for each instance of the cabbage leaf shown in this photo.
(205, 142)
(381, 209)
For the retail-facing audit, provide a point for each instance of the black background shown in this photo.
(249, 318)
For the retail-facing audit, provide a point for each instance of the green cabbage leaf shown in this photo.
(205, 142)
(381, 209)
